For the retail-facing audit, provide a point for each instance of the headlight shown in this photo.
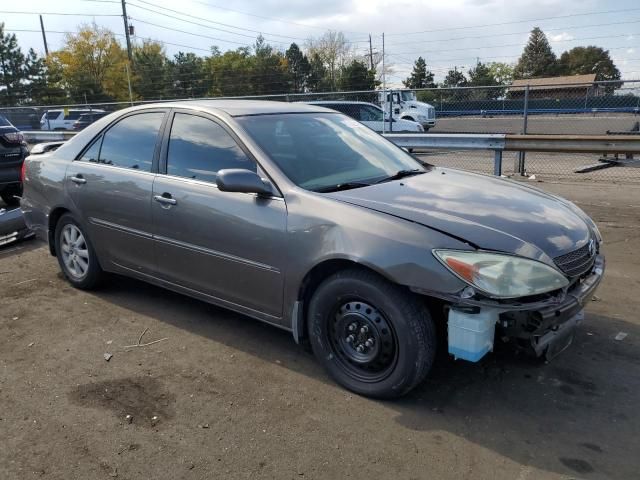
(502, 276)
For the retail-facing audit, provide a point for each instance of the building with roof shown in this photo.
(571, 86)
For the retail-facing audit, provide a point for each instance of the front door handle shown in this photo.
(78, 180)
(165, 199)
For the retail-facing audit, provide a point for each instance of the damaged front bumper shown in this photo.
(543, 327)
(12, 226)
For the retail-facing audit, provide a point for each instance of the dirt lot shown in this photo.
(237, 399)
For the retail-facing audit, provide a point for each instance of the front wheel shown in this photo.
(373, 337)
(76, 256)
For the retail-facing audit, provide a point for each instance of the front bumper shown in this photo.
(12, 226)
(548, 329)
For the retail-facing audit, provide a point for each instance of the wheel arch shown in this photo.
(54, 217)
(310, 282)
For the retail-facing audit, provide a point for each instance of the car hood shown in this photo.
(487, 212)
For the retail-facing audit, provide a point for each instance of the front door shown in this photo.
(111, 185)
(230, 246)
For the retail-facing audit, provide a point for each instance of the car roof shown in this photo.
(238, 108)
(339, 102)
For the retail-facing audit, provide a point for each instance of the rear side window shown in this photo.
(131, 142)
(52, 114)
(92, 154)
(199, 147)
(73, 115)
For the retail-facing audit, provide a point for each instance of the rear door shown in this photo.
(111, 184)
(371, 117)
(70, 118)
(226, 245)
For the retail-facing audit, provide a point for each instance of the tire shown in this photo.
(8, 196)
(399, 326)
(73, 258)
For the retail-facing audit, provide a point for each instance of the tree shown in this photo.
(298, 67)
(152, 74)
(269, 70)
(537, 59)
(420, 77)
(12, 74)
(335, 52)
(502, 72)
(481, 76)
(318, 79)
(356, 76)
(188, 75)
(93, 65)
(454, 78)
(231, 72)
(584, 60)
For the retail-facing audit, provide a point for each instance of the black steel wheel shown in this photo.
(373, 337)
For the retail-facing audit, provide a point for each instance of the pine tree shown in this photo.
(420, 77)
(298, 67)
(538, 59)
(12, 62)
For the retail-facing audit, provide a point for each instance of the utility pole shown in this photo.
(370, 53)
(126, 29)
(44, 37)
(384, 85)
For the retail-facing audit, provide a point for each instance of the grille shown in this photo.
(578, 262)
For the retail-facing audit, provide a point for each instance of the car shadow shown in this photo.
(576, 416)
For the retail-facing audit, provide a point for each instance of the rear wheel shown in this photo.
(75, 254)
(373, 337)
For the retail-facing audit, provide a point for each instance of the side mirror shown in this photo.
(241, 180)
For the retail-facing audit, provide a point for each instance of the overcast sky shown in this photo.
(446, 33)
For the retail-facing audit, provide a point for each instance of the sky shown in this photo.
(450, 33)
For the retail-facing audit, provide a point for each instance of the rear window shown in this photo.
(52, 114)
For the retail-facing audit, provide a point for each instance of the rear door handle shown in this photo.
(78, 180)
(165, 199)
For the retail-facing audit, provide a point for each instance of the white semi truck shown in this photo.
(405, 106)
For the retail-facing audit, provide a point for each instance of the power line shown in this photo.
(273, 19)
(188, 33)
(517, 21)
(492, 35)
(205, 20)
(61, 13)
(514, 44)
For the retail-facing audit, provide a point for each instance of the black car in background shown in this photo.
(13, 151)
(87, 119)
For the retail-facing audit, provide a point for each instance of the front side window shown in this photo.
(131, 142)
(199, 147)
(320, 151)
(370, 114)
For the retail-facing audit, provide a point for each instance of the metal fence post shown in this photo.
(520, 161)
(497, 163)
(391, 111)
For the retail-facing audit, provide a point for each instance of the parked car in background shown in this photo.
(63, 119)
(13, 150)
(86, 119)
(23, 118)
(304, 218)
(371, 115)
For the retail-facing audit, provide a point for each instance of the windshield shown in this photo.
(318, 151)
(408, 96)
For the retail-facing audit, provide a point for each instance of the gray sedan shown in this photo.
(303, 218)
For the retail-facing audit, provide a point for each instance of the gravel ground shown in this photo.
(226, 397)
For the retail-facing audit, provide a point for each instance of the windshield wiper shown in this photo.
(401, 174)
(341, 186)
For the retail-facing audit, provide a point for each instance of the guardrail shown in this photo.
(499, 143)
(38, 136)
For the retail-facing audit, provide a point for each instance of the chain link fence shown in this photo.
(596, 108)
